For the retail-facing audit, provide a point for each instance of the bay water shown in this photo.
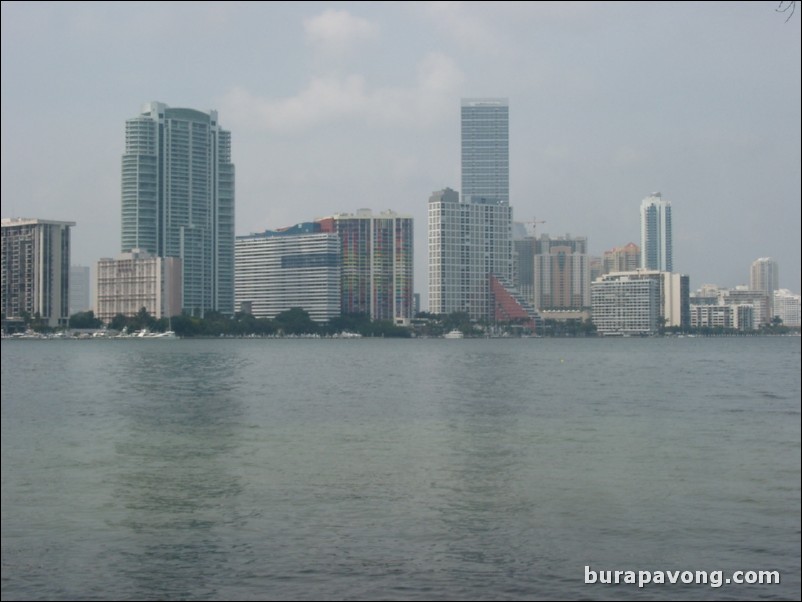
(398, 469)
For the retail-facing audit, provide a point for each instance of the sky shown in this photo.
(334, 107)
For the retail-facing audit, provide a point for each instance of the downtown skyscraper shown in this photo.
(470, 238)
(485, 126)
(656, 248)
(178, 199)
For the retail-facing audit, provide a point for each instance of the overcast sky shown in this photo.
(335, 107)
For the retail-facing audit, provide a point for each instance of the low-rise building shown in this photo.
(786, 307)
(135, 280)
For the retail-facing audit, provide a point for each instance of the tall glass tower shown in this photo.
(656, 248)
(486, 149)
(178, 199)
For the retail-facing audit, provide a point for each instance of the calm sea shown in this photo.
(391, 469)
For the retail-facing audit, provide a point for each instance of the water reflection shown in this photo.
(178, 479)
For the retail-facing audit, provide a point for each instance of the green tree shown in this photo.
(295, 321)
(118, 322)
(85, 319)
(142, 320)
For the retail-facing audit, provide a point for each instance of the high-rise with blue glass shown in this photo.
(656, 248)
(485, 126)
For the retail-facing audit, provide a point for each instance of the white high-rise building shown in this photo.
(470, 239)
(673, 298)
(36, 269)
(625, 304)
(294, 267)
(655, 226)
(468, 242)
(764, 276)
(786, 307)
(178, 199)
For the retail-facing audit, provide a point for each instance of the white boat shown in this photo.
(167, 334)
(454, 334)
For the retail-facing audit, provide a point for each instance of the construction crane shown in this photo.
(534, 224)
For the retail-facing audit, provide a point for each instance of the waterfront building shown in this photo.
(786, 307)
(673, 294)
(735, 316)
(79, 289)
(471, 252)
(743, 295)
(468, 243)
(178, 199)
(621, 259)
(377, 273)
(36, 269)
(764, 276)
(656, 238)
(135, 280)
(278, 270)
(625, 305)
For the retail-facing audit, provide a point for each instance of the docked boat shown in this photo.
(454, 334)
(167, 334)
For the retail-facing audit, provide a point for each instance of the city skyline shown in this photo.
(357, 114)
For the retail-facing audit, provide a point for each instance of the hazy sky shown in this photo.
(335, 107)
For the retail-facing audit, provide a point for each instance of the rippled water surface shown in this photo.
(373, 469)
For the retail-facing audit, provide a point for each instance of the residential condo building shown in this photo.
(621, 259)
(656, 248)
(137, 280)
(764, 276)
(743, 295)
(36, 269)
(786, 307)
(732, 316)
(278, 270)
(673, 297)
(562, 273)
(468, 243)
(625, 305)
(178, 199)
(377, 263)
